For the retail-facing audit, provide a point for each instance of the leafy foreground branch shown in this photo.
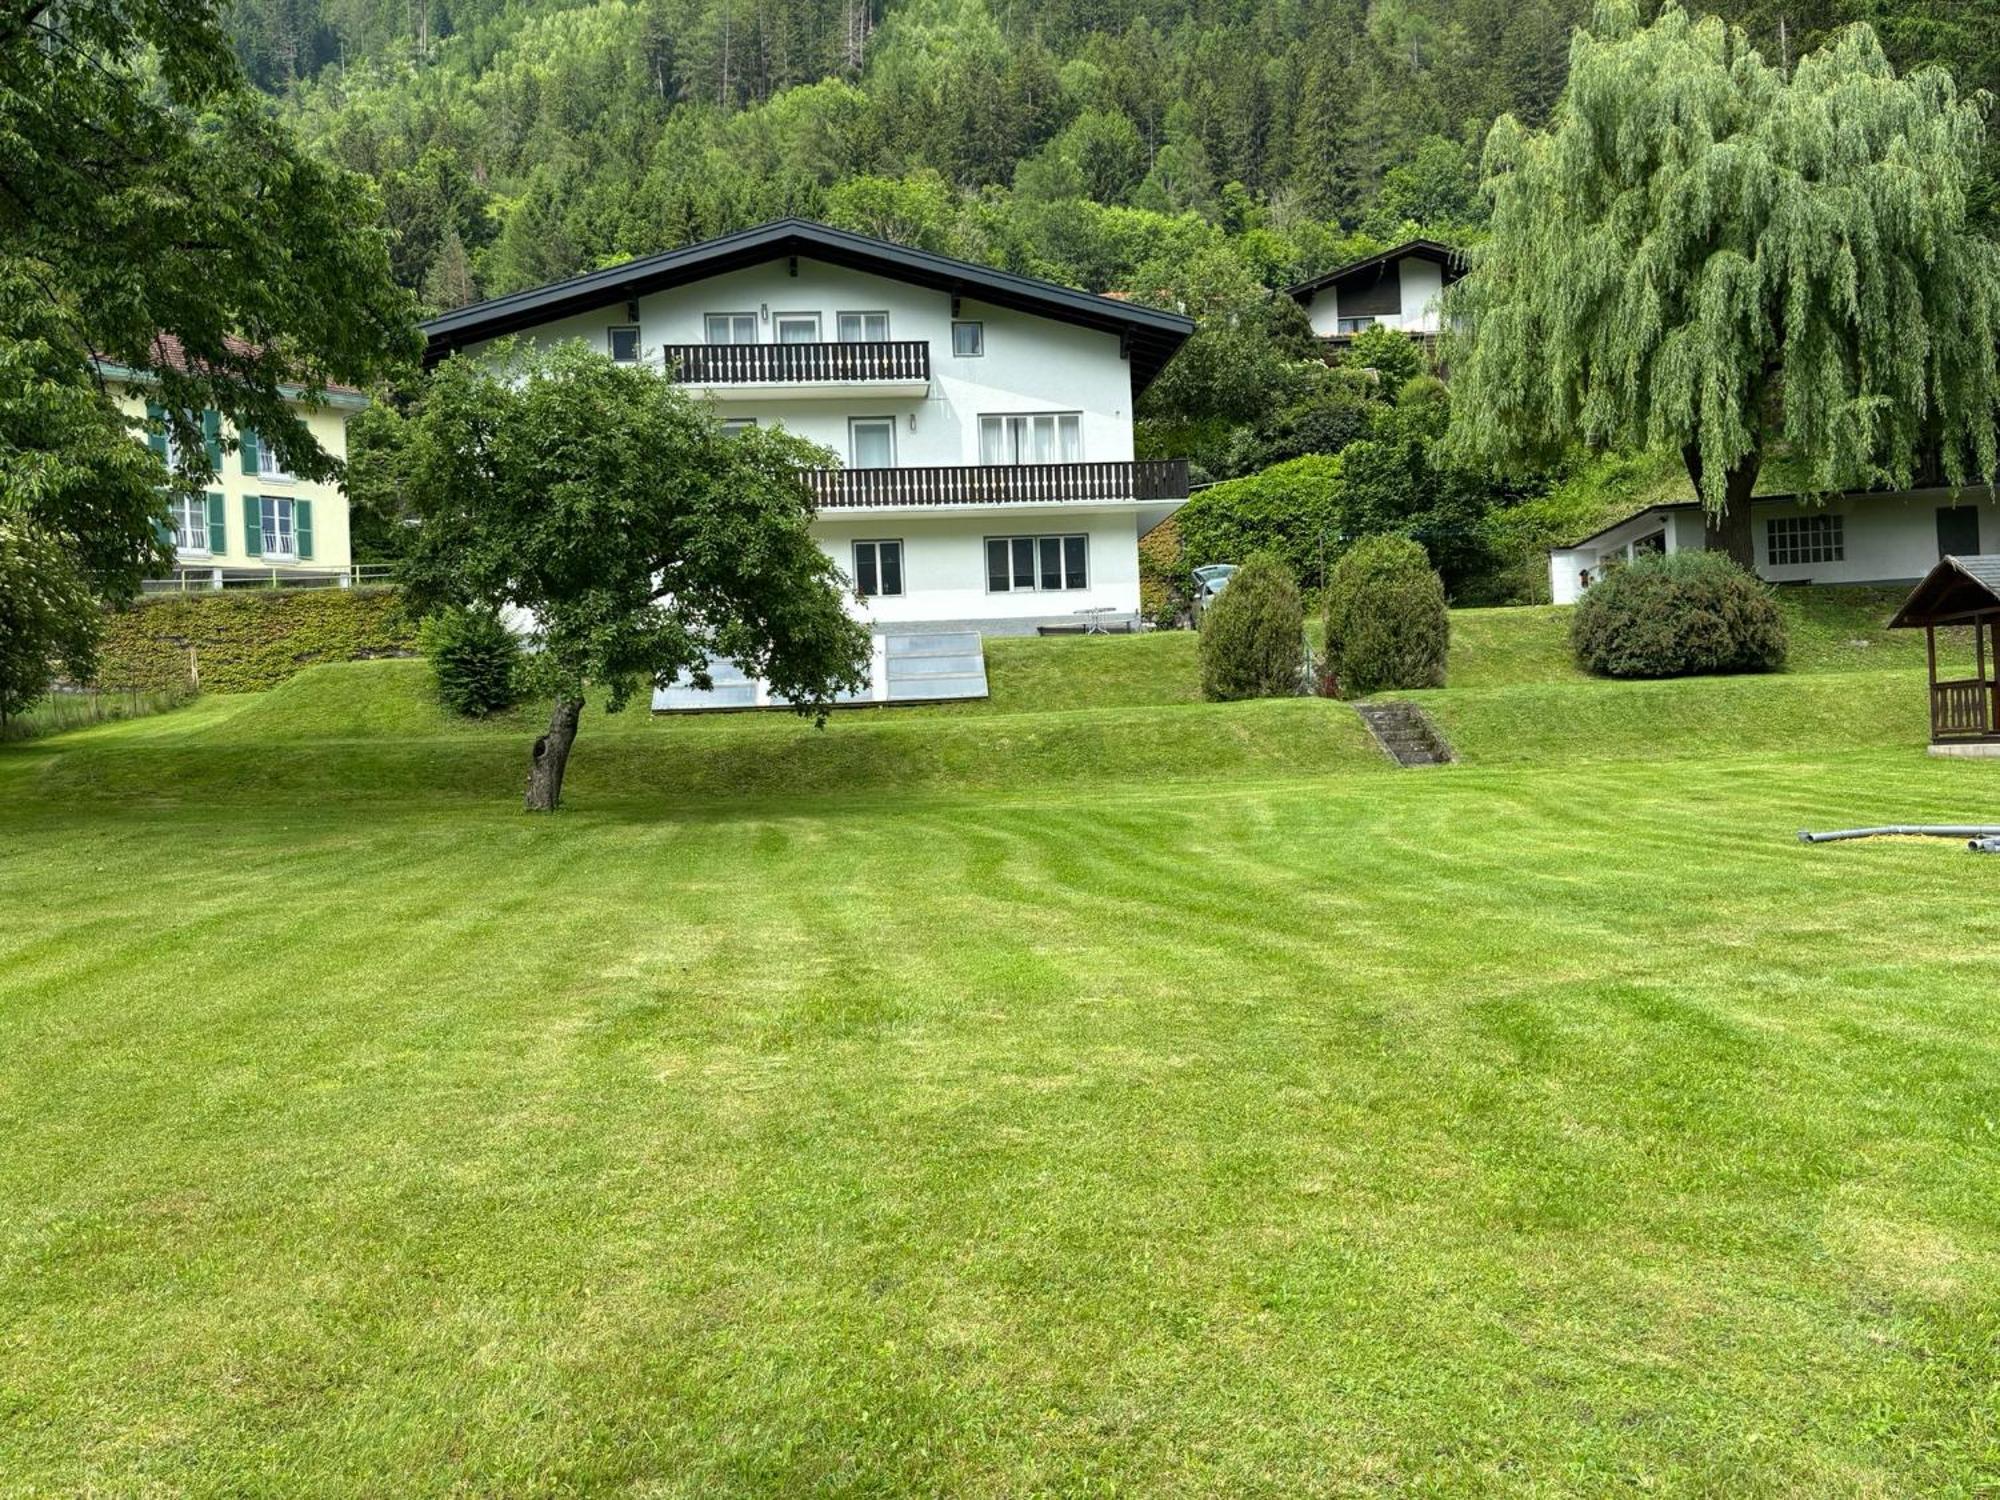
(641, 540)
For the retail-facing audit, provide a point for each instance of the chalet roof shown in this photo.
(1150, 336)
(1956, 588)
(1372, 266)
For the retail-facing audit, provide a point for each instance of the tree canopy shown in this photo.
(1707, 252)
(160, 225)
(607, 507)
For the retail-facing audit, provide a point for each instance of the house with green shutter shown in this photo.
(255, 522)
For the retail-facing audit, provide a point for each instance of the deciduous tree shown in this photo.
(641, 540)
(1707, 253)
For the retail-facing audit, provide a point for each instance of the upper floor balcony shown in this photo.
(886, 367)
(1143, 480)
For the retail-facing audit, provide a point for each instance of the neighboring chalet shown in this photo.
(257, 524)
(1401, 289)
(1862, 537)
(982, 420)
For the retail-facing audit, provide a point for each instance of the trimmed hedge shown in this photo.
(1677, 614)
(1291, 509)
(248, 640)
(1253, 635)
(1386, 621)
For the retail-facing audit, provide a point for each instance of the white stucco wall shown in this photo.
(1031, 364)
(1420, 290)
(1884, 538)
(944, 562)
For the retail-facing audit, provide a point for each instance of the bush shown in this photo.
(1386, 621)
(246, 640)
(1291, 511)
(1252, 636)
(476, 660)
(1164, 582)
(1678, 614)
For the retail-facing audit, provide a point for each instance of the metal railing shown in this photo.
(1000, 484)
(196, 579)
(799, 364)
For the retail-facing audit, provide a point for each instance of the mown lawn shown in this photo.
(1140, 1099)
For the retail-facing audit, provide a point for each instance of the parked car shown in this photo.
(1209, 582)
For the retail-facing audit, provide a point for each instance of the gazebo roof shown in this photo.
(1956, 589)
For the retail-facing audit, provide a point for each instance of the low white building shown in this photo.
(1401, 289)
(982, 420)
(1864, 537)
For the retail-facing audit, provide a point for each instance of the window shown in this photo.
(871, 442)
(1031, 438)
(862, 327)
(1354, 325)
(269, 465)
(625, 345)
(1791, 540)
(798, 328)
(1043, 563)
(279, 540)
(968, 340)
(730, 328)
(190, 523)
(878, 568)
(733, 425)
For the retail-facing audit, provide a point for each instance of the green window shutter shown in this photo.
(156, 440)
(253, 526)
(249, 450)
(163, 532)
(302, 528)
(218, 529)
(211, 427)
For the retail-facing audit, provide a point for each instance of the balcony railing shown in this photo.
(799, 364)
(1000, 484)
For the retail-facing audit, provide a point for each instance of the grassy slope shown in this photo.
(1546, 1124)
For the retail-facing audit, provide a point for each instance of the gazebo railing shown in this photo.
(1961, 707)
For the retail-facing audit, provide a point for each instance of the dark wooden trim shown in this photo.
(1000, 484)
(799, 364)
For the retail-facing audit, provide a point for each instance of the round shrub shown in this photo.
(1386, 621)
(1677, 614)
(1253, 634)
(476, 660)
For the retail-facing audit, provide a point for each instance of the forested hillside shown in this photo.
(519, 140)
(1194, 153)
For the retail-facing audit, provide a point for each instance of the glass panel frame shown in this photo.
(968, 339)
(866, 327)
(786, 326)
(867, 429)
(730, 325)
(626, 335)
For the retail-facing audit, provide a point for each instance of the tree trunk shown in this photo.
(551, 757)
(1730, 531)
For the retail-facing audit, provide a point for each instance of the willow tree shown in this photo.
(1706, 253)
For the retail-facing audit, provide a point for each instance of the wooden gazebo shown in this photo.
(1961, 591)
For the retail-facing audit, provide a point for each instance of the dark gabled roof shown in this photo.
(1452, 260)
(1955, 588)
(1151, 337)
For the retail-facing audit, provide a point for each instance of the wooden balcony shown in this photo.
(888, 367)
(1146, 479)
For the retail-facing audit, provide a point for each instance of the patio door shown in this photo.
(1958, 530)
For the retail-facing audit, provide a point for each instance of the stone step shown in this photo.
(1405, 733)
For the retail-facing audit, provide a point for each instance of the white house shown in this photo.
(1871, 537)
(983, 420)
(1401, 289)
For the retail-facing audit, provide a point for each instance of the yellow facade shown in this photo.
(304, 530)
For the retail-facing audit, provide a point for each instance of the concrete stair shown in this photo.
(1406, 733)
